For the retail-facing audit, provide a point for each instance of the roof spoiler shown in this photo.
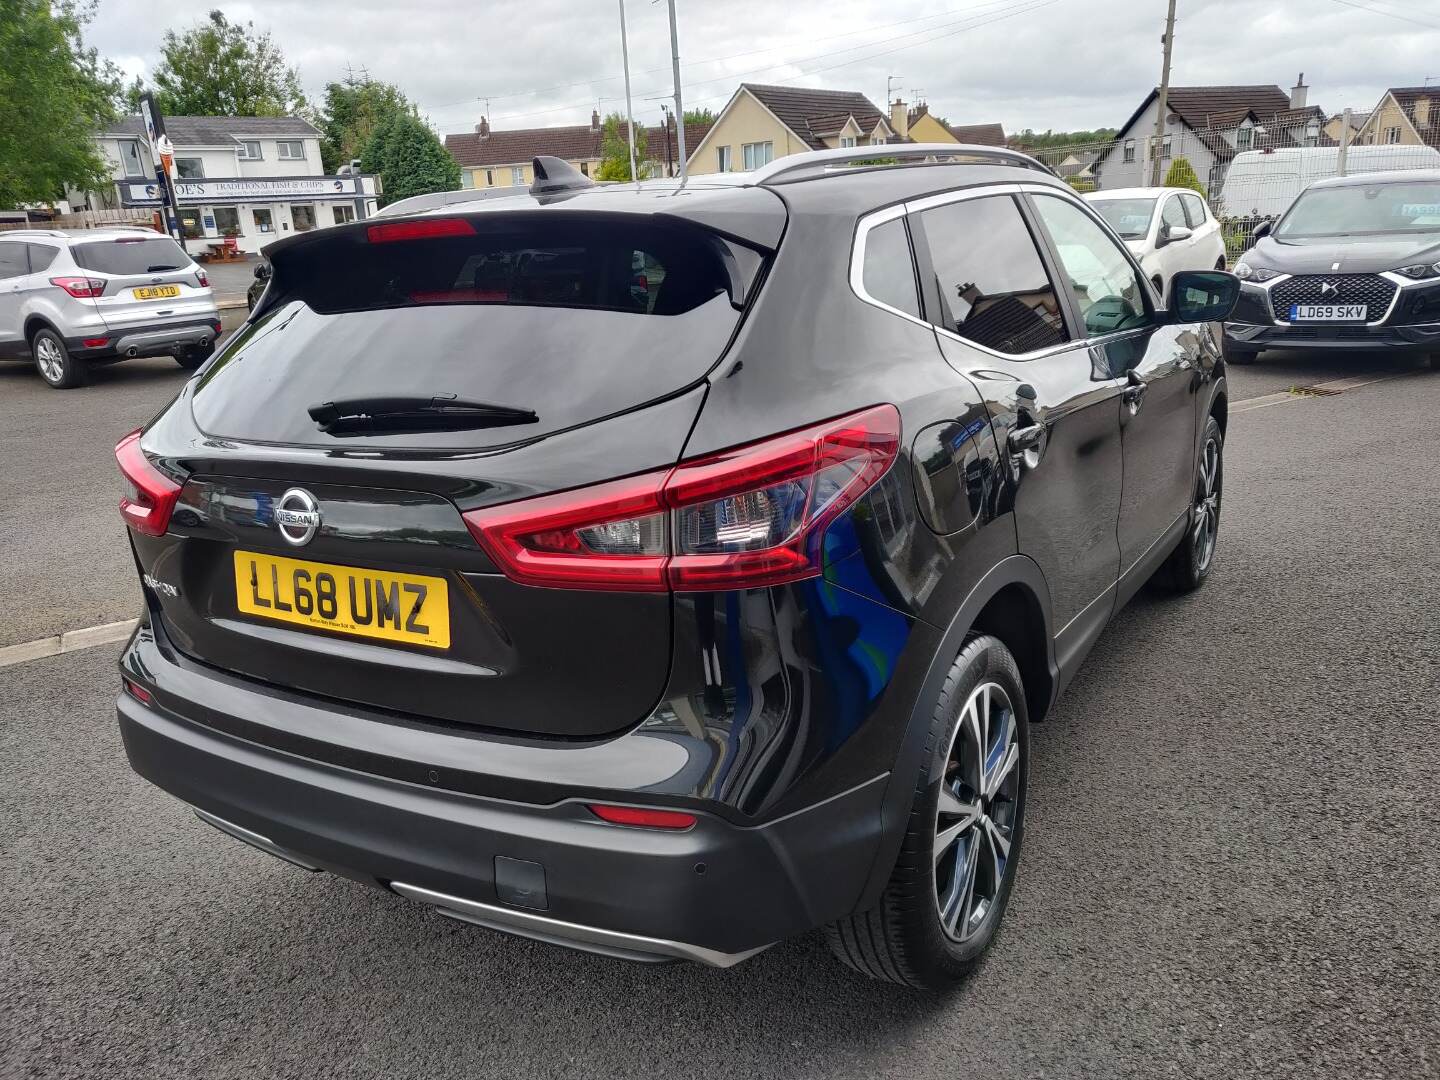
(818, 162)
(554, 175)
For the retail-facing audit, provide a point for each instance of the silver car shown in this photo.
(72, 299)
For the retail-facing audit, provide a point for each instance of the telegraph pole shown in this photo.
(629, 110)
(679, 105)
(1163, 104)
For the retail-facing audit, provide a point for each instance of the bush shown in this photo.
(1182, 175)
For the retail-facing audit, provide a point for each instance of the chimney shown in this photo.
(900, 120)
(1299, 92)
(1422, 112)
(594, 119)
(483, 128)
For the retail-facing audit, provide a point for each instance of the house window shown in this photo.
(189, 168)
(877, 139)
(1392, 135)
(1129, 151)
(847, 141)
(291, 149)
(517, 176)
(724, 162)
(249, 150)
(584, 168)
(227, 220)
(467, 179)
(190, 223)
(264, 222)
(1164, 148)
(303, 218)
(755, 154)
(130, 158)
(1244, 138)
(489, 177)
(343, 213)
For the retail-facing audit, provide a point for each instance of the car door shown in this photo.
(1156, 363)
(1207, 243)
(1174, 250)
(14, 266)
(1002, 324)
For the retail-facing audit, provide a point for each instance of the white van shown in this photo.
(1264, 183)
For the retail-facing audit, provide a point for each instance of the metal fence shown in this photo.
(1247, 174)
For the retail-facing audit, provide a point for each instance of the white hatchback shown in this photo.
(1166, 229)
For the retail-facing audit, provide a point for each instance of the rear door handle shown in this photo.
(1027, 445)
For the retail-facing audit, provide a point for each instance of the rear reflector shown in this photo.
(150, 499)
(135, 690)
(752, 516)
(650, 819)
(423, 229)
(82, 288)
(95, 342)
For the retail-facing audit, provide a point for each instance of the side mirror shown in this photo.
(1199, 296)
(1172, 234)
(263, 272)
(1263, 229)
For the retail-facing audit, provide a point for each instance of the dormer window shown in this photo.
(1245, 138)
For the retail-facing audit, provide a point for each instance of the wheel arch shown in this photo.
(1012, 602)
(34, 323)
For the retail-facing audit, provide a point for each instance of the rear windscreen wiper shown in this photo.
(395, 413)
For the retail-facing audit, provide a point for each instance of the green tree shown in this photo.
(55, 94)
(409, 158)
(699, 116)
(1030, 139)
(220, 68)
(615, 148)
(354, 109)
(1181, 174)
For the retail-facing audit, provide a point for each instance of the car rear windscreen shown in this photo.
(140, 255)
(625, 266)
(567, 317)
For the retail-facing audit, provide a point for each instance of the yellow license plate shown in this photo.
(156, 292)
(366, 603)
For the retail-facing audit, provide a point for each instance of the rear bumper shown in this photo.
(715, 893)
(149, 340)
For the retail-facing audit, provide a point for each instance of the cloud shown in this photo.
(1026, 63)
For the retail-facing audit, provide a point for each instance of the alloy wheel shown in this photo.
(47, 356)
(976, 815)
(1206, 524)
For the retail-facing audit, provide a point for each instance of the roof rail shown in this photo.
(815, 163)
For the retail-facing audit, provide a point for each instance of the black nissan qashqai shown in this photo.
(667, 570)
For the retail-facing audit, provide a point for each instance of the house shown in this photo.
(1209, 125)
(1336, 124)
(922, 126)
(760, 123)
(491, 157)
(1404, 116)
(254, 178)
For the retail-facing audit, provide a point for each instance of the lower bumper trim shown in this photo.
(573, 935)
(254, 839)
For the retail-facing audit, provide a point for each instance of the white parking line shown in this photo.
(70, 641)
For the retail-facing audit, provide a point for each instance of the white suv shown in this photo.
(1166, 229)
(71, 299)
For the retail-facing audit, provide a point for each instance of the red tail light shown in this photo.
(755, 515)
(650, 819)
(82, 288)
(202, 277)
(423, 229)
(150, 498)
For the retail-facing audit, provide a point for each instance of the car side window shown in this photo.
(993, 287)
(1173, 216)
(41, 256)
(13, 262)
(1194, 210)
(1107, 288)
(889, 271)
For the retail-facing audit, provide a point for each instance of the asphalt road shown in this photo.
(1231, 865)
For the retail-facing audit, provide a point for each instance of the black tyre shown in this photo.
(190, 359)
(1220, 263)
(53, 360)
(952, 881)
(1189, 564)
(1234, 354)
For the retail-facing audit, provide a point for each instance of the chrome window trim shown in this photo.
(945, 198)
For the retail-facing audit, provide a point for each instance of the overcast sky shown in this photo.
(1061, 64)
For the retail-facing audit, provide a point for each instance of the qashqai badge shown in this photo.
(297, 516)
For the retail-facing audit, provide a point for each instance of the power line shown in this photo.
(1388, 14)
(928, 35)
(720, 59)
